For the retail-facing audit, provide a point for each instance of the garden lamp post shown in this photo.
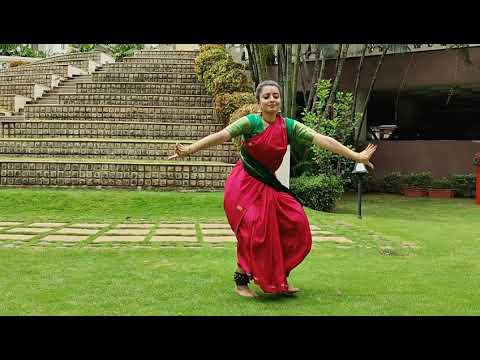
(360, 170)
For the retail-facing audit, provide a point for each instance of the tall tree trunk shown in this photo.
(280, 73)
(372, 84)
(313, 83)
(303, 77)
(293, 93)
(397, 100)
(357, 82)
(253, 66)
(320, 77)
(333, 90)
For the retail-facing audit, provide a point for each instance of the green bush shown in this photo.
(318, 192)
(464, 185)
(392, 183)
(208, 57)
(227, 104)
(419, 179)
(442, 183)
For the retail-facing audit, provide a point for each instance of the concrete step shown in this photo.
(110, 149)
(96, 56)
(159, 77)
(31, 90)
(161, 175)
(107, 129)
(136, 99)
(168, 53)
(158, 60)
(146, 67)
(13, 103)
(187, 115)
(48, 80)
(141, 88)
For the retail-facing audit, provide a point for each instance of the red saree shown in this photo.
(272, 229)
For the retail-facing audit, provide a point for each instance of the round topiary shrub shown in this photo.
(226, 104)
(318, 192)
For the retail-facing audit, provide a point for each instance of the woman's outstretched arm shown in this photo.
(333, 145)
(210, 140)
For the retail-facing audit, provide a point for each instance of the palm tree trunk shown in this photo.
(357, 82)
(372, 83)
(333, 91)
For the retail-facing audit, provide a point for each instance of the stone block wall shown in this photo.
(120, 174)
(120, 113)
(47, 129)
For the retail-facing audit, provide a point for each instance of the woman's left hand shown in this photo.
(180, 150)
(364, 156)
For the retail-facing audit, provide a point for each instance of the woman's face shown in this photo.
(270, 99)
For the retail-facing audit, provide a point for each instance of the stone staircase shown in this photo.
(116, 126)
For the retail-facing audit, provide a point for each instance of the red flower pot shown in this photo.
(441, 193)
(415, 192)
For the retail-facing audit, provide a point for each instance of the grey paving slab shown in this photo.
(335, 239)
(314, 227)
(173, 238)
(66, 238)
(219, 239)
(75, 231)
(215, 226)
(27, 230)
(179, 232)
(121, 238)
(88, 226)
(128, 232)
(217, 232)
(176, 226)
(134, 226)
(15, 237)
(47, 225)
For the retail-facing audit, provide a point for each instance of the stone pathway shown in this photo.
(13, 234)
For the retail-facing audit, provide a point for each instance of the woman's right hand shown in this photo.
(364, 156)
(180, 150)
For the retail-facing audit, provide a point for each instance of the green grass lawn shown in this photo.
(377, 275)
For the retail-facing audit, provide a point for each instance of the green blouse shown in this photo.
(252, 124)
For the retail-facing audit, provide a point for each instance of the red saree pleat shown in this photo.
(272, 229)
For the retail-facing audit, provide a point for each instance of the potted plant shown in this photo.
(441, 188)
(417, 184)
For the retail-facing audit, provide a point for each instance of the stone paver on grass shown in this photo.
(128, 232)
(173, 238)
(47, 225)
(88, 226)
(15, 237)
(215, 226)
(121, 238)
(75, 231)
(218, 239)
(9, 223)
(25, 230)
(134, 226)
(314, 227)
(67, 238)
(335, 239)
(179, 232)
(176, 226)
(218, 232)
(322, 233)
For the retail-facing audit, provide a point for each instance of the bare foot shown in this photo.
(245, 291)
(291, 290)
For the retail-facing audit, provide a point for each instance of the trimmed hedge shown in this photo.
(318, 192)
(227, 104)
